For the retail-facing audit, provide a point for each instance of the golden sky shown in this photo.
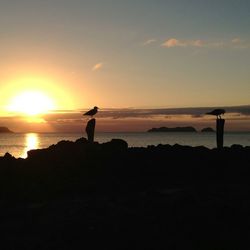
(72, 55)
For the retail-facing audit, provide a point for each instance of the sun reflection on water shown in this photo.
(31, 142)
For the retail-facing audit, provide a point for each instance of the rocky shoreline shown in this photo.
(109, 195)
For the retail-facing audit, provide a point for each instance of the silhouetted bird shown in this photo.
(92, 111)
(217, 112)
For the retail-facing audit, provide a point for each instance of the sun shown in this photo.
(31, 103)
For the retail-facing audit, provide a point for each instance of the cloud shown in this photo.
(128, 119)
(217, 44)
(149, 42)
(137, 119)
(172, 42)
(198, 43)
(236, 40)
(127, 113)
(97, 66)
(195, 112)
(239, 43)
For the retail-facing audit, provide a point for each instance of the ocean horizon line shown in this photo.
(121, 132)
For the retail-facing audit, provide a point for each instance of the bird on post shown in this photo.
(217, 112)
(92, 112)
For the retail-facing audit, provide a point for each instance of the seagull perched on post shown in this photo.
(217, 112)
(92, 111)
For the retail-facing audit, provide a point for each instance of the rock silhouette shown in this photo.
(173, 197)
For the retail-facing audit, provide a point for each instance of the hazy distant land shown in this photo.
(180, 129)
(176, 129)
(208, 130)
(5, 130)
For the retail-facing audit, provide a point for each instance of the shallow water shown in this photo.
(18, 144)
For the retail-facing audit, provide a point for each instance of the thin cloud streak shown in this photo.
(150, 41)
(150, 113)
(97, 66)
(131, 119)
(236, 40)
(196, 112)
(198, 43)
(172, 42)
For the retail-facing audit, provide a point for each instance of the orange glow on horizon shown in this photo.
(33, 96)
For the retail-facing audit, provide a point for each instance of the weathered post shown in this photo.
(219, 126)
(219, 132)
(90, 130)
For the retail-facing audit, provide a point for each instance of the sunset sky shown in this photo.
(139, 58)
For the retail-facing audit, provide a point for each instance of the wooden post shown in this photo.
(219, 132)
(90, 130)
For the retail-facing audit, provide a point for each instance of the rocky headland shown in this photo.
(5, 130)
(73, 194)
(207, 130)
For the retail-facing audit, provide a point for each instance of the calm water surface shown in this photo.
(19, 144)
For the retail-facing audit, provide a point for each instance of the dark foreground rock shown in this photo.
(77, 195)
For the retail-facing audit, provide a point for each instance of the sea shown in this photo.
(17, 144)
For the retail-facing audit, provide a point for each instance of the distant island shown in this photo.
(207, 130)
(5, 130)
(176, 129)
